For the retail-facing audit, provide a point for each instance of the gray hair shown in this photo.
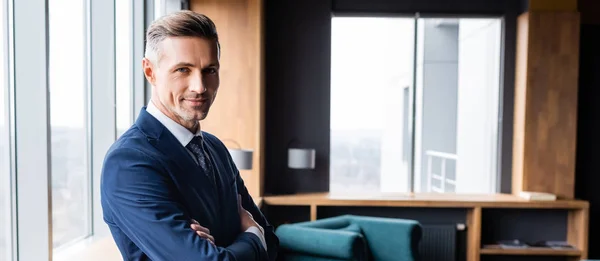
(177, 24)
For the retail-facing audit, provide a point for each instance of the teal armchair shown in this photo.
(349, 237)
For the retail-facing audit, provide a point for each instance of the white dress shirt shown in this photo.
(184, 136)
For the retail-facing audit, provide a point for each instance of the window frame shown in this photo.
(502, 180)
(33, 197)
(8, 89)
(101, 33)
(30, 129)
(32, 190)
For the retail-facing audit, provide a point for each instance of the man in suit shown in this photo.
(170, 191)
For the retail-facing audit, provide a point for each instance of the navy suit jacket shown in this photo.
(151, 188)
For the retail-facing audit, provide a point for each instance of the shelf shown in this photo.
(475, 205)
(421, 200)
(532, 251)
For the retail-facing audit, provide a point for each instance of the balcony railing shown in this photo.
(443, 157)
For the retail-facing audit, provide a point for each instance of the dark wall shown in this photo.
(462, 7)
(587, 176)
(297, 44)
(298, 51)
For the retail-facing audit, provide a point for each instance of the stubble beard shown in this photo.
(193, 114)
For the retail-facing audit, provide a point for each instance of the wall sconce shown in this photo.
(241, 157)
(301, 158)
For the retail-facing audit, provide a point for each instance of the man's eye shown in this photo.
(183, 70)
(210, 70)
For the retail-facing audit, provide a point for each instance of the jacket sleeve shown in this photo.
(248, 204)
(143, 203)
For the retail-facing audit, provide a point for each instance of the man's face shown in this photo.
(186, 79)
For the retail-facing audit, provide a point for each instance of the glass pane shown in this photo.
(124, 85)
(457, 99)
(5, 177)
(68, 120)
(158, 8)
(371, 101)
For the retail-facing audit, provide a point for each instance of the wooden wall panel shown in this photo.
(237, 114)
(519, 101)
(546, 102)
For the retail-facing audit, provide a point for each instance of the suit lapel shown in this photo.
(167, 144)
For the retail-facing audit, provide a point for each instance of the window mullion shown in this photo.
(140, 11)
(32, 131)
(103, 81)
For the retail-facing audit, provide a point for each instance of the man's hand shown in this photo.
(202, 231)
(246, 218)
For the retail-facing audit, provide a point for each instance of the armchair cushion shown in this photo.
(340, 244)
(351, 237)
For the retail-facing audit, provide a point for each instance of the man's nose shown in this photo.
(196, 84)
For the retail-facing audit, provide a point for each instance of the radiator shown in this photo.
(439, 243)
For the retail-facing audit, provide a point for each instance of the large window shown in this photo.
(5, 159)
(124, 69)
(371, 86)
(69, 121)
(414, 104)
(66, 91)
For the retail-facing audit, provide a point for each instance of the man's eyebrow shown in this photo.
(183, 64)
(212, 65)
(186, 64)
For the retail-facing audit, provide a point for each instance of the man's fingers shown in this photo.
(206, 236)
(200, 228)
(197, 227)
(202, 231)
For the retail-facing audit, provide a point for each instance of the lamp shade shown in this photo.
(242, 158)
(301, 158)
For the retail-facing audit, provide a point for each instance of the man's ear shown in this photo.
(148, 68)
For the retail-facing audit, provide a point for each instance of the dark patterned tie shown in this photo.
(196, 146)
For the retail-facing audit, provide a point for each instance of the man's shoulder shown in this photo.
(131, 140)
(130, 153)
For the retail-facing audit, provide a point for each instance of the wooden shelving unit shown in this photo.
(577, 218)
(494, 250)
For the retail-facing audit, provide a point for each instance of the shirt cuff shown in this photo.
(256, 231)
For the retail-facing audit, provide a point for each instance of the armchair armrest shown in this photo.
(323, 242)
(390, 238)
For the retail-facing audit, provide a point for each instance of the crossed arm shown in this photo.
(268, 230)
(142, 205)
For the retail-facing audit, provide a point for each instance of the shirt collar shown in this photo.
(183, 135)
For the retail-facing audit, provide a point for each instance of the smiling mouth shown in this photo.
(196, 102)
